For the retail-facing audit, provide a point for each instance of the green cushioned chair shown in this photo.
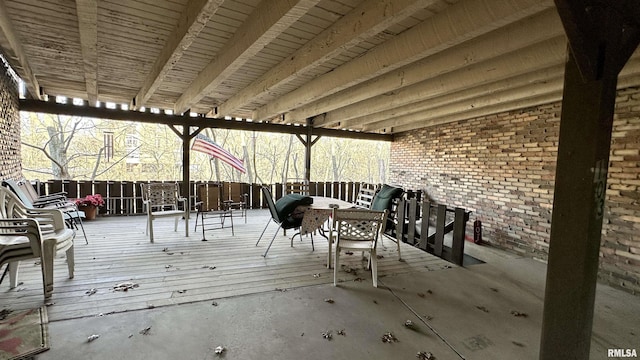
(283, 213)
(384, 200)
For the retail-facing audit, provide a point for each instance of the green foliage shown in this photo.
(74, 148)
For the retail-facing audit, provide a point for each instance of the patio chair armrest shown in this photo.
(58, 195)
(49, 201)
(14, 229)
(146, 206)
(51, 217)
(182, 200)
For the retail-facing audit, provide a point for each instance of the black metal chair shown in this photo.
(210, 205)
(283, 213)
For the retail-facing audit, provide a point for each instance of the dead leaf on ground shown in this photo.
(327, 335)
(425, 356)
(388, 337)
(92, 337)
(409, 324)
(329, 300)
(518, 314)
(125, 286)
(219, 350)
(91, 291)
(482, 308)
(145, 331)
(4, 313)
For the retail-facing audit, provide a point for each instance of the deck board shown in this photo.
(119, 251)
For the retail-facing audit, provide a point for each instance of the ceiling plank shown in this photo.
(474, 18)
(192, 20)
(265, 23)
(26, 72)
(88, 27)
(511, 38)
(371, 18)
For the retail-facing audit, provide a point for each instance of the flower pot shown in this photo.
(90, 211)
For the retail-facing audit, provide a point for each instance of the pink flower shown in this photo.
(95, 200)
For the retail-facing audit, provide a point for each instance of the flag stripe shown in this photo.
(205, 145)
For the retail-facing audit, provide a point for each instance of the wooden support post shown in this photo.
(601, 38)
(578, 208)
(457, 246)
(308, 141)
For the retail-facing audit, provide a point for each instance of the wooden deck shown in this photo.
(177, 270)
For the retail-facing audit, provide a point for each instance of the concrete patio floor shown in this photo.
(484, 311)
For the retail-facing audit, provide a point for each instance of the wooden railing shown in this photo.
(123, 197)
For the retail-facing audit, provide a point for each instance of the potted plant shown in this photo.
(90, 204)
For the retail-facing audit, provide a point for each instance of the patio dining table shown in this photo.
(317, 214)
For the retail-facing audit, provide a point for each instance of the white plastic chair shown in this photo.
(161, 200)
(365, 196)
(358, 230)
(32, 233)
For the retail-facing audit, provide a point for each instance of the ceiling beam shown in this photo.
(460, 105)
(382, 120)
(265, 23)
(19, 56)
(437, 33)
(513, 37)
(425, 119)
(371, 17)
(192, 20)
(49, 107)
(87, 11)
(536, 57)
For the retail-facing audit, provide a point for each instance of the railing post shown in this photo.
(400, 215)
(440, 223)
(457, 247)
(424, 226)
(411, 227)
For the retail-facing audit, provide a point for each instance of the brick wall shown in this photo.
(502, 167)
(9, 126)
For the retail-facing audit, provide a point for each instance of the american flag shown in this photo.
(205, 145)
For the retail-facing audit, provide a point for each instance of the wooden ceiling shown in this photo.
(382, 66)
